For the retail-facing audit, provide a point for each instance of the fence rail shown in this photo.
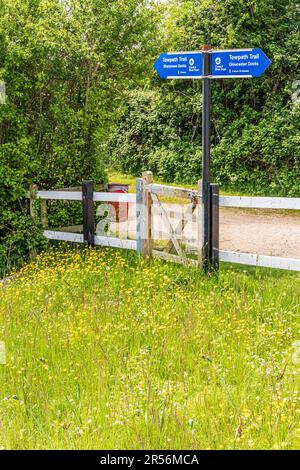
(251, 259)
(290, 203)
(101, 241)
(254, 202)
(60, 195)
(146, 199)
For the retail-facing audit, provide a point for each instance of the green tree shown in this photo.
(255, 124)
(65, 65)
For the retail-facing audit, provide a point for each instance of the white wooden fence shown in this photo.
(224, 201)
(260, 203)
(61, 195)
(292, 203)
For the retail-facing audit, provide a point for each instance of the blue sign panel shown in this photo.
(239, 63)
(179, 65)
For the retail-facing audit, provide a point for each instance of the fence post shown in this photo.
(44, 217)
(33, 212)
(199, 220)
(215, 225)
(32, 202)
(88, 213)
(206, 227)
(139, 216)
(147, 212)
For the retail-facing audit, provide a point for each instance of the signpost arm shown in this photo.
(206, 116)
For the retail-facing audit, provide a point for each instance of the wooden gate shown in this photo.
(151, 198)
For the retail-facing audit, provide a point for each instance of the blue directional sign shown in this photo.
(179, 65)
(239, 63)
(234, 63)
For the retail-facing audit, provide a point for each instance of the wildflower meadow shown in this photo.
(104, 350)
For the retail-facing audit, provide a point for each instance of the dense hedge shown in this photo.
(60, 62)
(255, 123)
(257, 152)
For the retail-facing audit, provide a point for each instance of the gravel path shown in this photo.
(266, 232)
(260, 231)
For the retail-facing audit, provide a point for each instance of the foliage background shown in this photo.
(255, 123)
(66, 65)
(82, 95)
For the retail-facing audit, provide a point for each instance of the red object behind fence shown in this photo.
(118, 210)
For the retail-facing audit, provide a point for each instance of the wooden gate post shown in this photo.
(214, 230)
(148, 215)
(88, 213)
(199, 219)
(139, 216)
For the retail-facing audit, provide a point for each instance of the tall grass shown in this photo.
(104, 350)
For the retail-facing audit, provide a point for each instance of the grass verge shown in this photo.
(107, 351)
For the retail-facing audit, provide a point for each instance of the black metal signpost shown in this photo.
(205, 65)
(206, 116)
